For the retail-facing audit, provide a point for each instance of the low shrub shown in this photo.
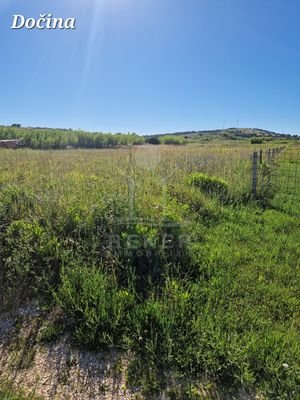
(209, 184)
(202, 207)
(152, 140)
(256, 140)
(170, 139)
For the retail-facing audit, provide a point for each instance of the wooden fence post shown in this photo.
(269, 155)
(254, 173)
(260, 156)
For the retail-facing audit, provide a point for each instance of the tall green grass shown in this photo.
(139, 256)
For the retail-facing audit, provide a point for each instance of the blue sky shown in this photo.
(151, 66)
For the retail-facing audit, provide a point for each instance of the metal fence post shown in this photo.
(254, 173)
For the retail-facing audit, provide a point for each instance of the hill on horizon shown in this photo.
(234, 132)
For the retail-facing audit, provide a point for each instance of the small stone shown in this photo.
(285, 366)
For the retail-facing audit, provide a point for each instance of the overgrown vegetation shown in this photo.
(165, 139)
(209, 185)
(256, 140)
(171, 139)
(140, 251)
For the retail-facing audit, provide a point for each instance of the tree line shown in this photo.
(42, 138)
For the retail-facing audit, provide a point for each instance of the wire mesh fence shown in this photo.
(276, 175)
(146, 173)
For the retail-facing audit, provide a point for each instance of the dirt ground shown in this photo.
(57, 370)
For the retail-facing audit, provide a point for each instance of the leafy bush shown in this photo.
(196, 202)
(153, 140)
(256, 140)
(208, 184)
(171, 139)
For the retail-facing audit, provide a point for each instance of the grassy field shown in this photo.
(162, 251)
